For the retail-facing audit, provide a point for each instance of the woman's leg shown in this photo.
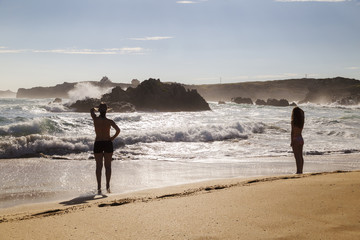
(108, 159)
(301, 158)
(298, 153)
(99, 165)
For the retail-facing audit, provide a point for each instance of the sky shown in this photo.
(48, 42)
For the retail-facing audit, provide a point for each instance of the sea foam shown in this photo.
(30, 128)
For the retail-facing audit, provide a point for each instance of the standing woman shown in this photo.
(103, 146)
(297, 141)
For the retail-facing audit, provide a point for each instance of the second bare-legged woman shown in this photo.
(103, 146)
(297, 141)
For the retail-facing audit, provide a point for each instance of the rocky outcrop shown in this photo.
(277, 103)
(269, 102)
(88, 103)
(84, 105)
(274, 102)
(260, 102)
(240, 100)
(351, 100)
(57, 100)
(150, 95)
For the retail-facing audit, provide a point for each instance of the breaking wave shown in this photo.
(33, 138)
(36, 126)
(197, 134)
(35, 144)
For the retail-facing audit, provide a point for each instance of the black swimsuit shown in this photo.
(103, 146)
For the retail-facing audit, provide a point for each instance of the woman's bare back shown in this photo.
(102, 128)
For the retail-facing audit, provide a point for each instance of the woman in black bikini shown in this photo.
(103, 146)
(297, 141)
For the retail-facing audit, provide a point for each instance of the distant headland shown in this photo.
(343, 91)
(63, 90)
(338, 90)
(7, 94)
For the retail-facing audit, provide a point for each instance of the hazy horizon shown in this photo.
(83, 84)
(45, 43)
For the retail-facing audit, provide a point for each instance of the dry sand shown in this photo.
(310, 206)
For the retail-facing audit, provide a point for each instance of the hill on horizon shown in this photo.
(7, 94)
(314, 90)
(64, 90)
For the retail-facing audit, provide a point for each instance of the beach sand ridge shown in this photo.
(308, 206)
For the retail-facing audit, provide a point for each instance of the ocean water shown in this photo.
(46, 149)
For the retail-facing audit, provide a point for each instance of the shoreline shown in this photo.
(188, 211)
(134, 176)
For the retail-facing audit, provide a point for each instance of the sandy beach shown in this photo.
(309, 206)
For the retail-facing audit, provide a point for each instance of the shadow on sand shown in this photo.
(84, 199)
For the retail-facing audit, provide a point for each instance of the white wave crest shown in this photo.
(36, 126)
(86, 90)
(33, 145)
(208, 133)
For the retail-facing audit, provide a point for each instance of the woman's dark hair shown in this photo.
(298, 117)
(103, 114)
(102, 109)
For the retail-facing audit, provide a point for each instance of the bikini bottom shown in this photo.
(103, 146)
(298, 140)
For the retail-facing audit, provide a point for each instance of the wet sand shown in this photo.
(309, 206)
(35, 180)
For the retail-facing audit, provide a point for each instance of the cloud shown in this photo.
(312, 0)
(151, 38)
(75, 51)
(6, 50)
(11, 51)
(131, 50)
(186, 2)
(353, 68)
(105, 51)
(191, 2)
